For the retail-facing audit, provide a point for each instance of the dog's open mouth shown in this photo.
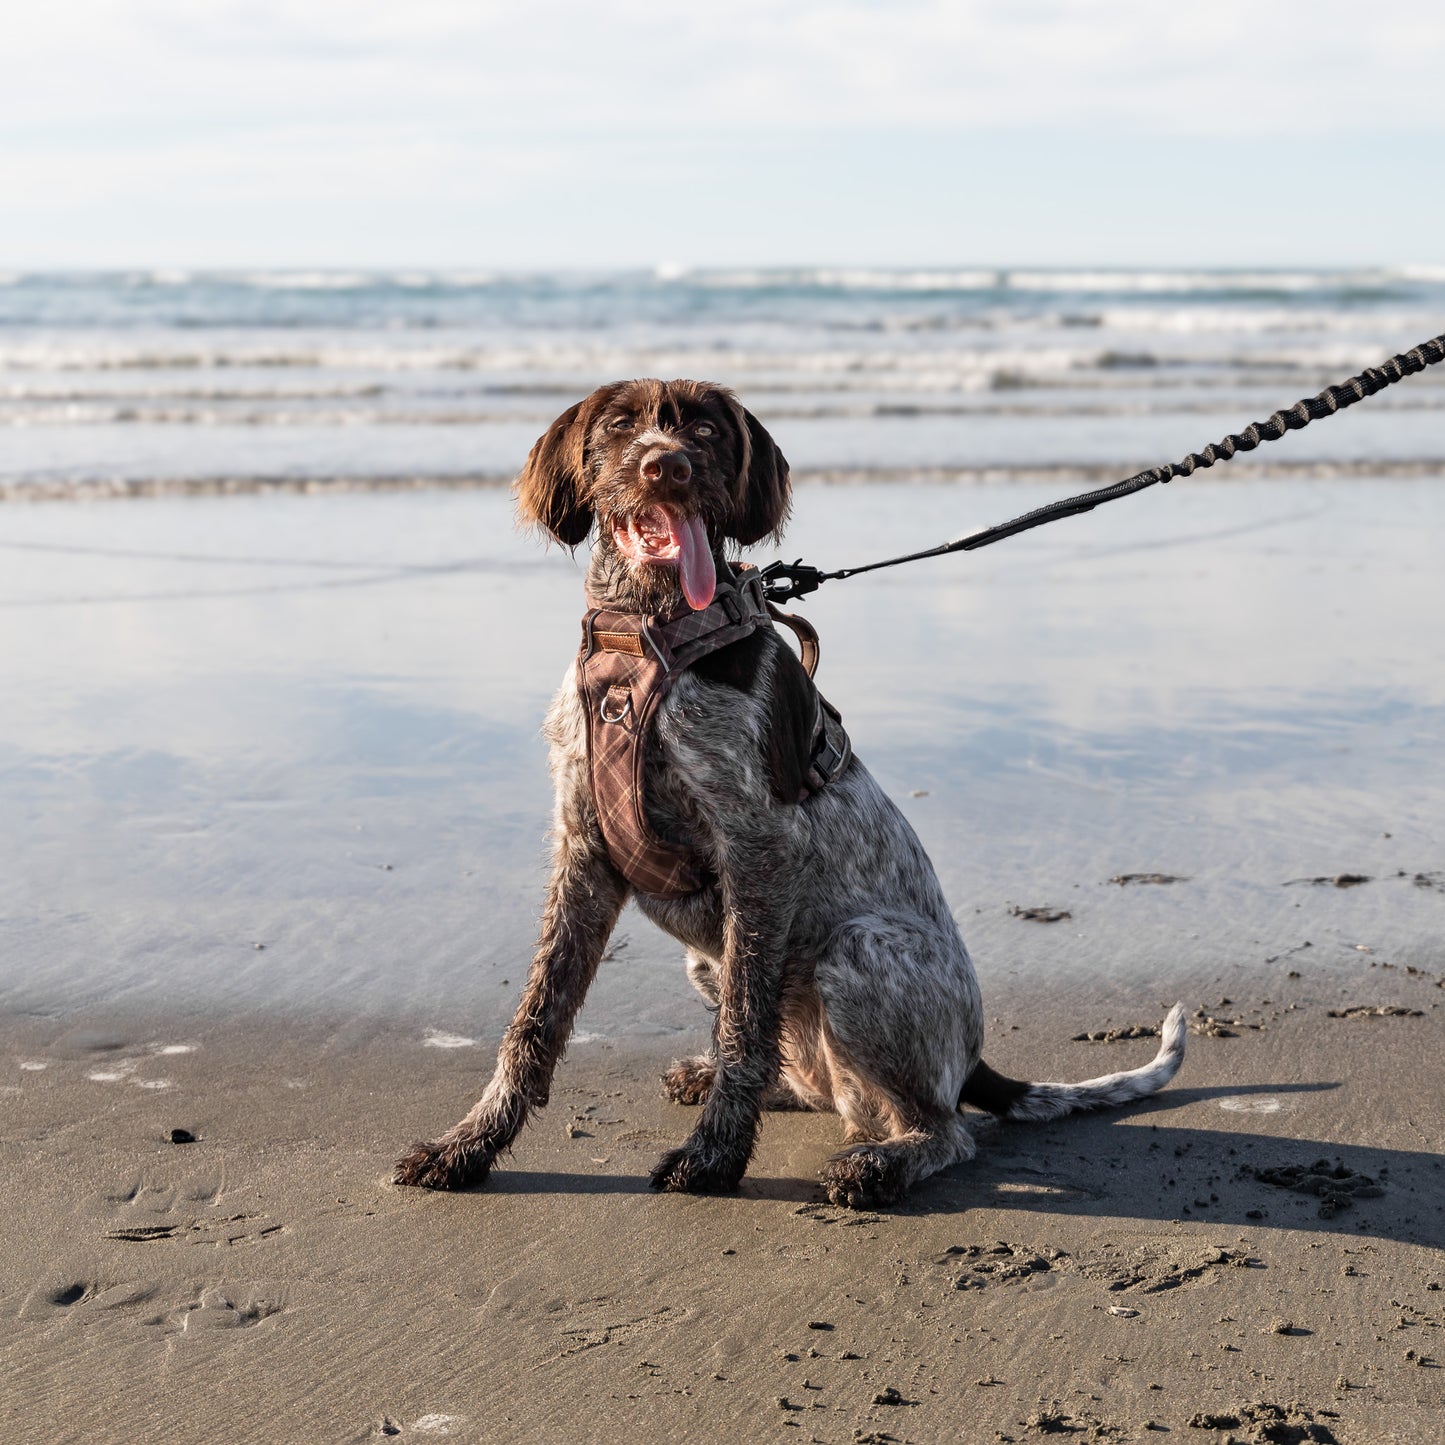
(659, 536)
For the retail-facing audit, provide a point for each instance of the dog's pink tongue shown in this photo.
(699, 576)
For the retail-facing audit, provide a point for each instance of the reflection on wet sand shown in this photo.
(281, 750)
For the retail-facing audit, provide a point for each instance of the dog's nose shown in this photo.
(661, 464)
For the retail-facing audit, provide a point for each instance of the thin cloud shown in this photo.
(364, 132)
(1225, 68)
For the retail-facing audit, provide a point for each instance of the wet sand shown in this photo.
(277, 801)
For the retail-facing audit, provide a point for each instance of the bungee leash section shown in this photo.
(786, 581)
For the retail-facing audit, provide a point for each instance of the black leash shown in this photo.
(785, 581)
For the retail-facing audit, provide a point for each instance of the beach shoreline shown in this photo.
(1251, 469)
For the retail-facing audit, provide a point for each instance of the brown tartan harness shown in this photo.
(627, 664)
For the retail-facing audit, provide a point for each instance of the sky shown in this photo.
(601, 133)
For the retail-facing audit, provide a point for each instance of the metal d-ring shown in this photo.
(621, 716)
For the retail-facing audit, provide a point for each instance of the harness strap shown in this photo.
(804, 631)
(627, 664)
(831, 750)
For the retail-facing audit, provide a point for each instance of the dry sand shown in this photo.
(272, 853)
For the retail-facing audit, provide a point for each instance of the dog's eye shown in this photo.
(704, 429)
(621, 423)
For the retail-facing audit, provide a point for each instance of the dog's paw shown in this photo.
(689, 1081)
(864, 1177)
(443, 1165)
(693, 1169)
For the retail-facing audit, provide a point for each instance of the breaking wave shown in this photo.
(148, 378)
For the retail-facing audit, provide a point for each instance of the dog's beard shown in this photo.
(615, 581)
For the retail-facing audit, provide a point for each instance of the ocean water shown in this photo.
(156, 381)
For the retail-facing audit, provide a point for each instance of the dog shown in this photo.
(820, 935)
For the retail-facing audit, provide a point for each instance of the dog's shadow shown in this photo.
(761, 1187)
(1119, 1166)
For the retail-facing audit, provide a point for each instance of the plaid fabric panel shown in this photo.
(620, 692)
(626, 666)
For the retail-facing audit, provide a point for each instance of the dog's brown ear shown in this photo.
(551, 489)
(764, 495)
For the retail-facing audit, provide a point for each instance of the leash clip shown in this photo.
(785, 581)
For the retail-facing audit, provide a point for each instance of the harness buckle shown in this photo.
(828, 760)
(829, 757)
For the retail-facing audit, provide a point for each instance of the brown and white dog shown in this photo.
(820, 936)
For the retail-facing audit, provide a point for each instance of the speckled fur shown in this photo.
(822, 940)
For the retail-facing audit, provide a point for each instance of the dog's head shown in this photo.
(670, 470)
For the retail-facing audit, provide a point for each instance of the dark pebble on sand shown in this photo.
(890, 1396)
(1111, 1036)
(182, 1136)
(1376, 1011)
(1052, 1424)
(819, 1325)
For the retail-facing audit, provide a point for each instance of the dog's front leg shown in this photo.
(747, 1035)
(583, 900)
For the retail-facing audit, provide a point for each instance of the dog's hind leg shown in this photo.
(864, 1176)
(689, 1081)
(902, 1028)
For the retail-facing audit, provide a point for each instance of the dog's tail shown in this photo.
(1014, 1099)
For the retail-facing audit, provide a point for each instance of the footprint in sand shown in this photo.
(221, 1309)
(188, 1212)
(140, 1199)
(79, 1297)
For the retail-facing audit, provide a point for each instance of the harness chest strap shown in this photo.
(627, 664)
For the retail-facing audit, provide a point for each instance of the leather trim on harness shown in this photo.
(627, 664)
(618, 642)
